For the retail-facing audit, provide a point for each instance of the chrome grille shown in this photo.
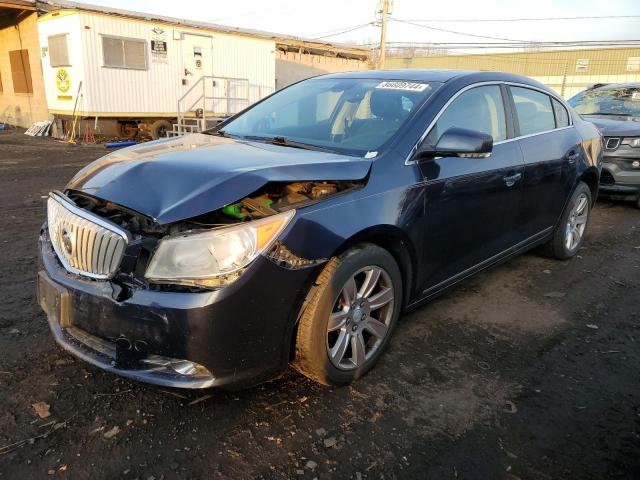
(85, 243)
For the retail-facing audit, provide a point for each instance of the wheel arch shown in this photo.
(398, 244)
(591, 177)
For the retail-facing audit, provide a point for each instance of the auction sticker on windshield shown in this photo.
(412, 86)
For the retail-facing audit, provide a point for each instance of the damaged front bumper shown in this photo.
(234, 336)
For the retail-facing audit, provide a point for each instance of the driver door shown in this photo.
(470, 203)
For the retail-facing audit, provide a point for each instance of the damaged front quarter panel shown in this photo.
(195, 174)
(281, 255)
(272, 199)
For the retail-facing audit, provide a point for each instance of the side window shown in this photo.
(480, 109)
(58, 51)
(325, 104)
(562, 116)
(533, 110)
(128, 53)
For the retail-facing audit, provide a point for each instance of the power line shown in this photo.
(341, 29)
(454, 32)
(517, 44)
(357, 27)
(540, 19)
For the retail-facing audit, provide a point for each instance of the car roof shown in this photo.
(435, 75)
(612, 86)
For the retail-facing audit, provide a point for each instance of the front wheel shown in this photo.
(350, 317)
(569, 233)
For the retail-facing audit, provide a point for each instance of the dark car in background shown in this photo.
(615, 110)
(298, 231)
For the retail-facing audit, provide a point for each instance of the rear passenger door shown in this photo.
(550, 148)
(471, 203)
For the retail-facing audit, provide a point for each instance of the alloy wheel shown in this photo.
(360, 318)
(577, 222)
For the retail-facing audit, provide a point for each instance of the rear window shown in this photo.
(534, 111)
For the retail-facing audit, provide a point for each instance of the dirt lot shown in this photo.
(528, 371)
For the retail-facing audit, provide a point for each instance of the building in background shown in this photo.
(566, 71)
(22, 98)
(298, 59)
(127, 70)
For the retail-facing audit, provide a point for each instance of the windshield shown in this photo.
(623, 101)
(351, 116)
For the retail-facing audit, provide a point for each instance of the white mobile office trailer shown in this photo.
(150, 72)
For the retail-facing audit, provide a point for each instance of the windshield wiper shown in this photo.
(285, 142)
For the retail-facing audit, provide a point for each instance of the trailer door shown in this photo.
(197, 62)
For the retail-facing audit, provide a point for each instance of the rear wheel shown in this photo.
(350, 318)
(569, 234)
(159, 129)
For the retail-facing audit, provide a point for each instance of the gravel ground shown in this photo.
(527, 371)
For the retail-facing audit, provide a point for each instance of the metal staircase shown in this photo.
(209, 101)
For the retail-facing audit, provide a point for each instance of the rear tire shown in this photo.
(345, 326)
(159, 129)
(570, 231)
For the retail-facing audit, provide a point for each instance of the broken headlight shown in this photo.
(215, 257)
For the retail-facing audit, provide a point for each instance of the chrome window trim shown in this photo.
(408, 160)
(532, 135)
(68, 204)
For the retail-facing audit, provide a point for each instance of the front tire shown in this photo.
(350, 317)
(570, 231)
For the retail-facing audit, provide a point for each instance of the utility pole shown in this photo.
(383, 33)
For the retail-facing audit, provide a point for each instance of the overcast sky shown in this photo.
(312, 18)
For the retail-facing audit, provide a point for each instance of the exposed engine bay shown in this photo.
(277, 197)
(273, 198)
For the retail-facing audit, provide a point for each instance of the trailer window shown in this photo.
(120, 52)
(58, 51)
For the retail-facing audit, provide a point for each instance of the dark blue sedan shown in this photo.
(299, 230)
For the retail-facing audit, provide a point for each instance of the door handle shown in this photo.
(511, 180)
(572, 156)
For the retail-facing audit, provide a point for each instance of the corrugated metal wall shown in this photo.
(566, 71)
(156, 90)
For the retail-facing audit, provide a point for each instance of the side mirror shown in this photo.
(458, 142)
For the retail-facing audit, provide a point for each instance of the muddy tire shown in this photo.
(127, 130)
(351, 316)
(570, 231)
(159, 129)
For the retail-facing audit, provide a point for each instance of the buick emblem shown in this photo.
(66, 241)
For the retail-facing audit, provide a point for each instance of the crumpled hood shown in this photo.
(179, 178)
(616, 126)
